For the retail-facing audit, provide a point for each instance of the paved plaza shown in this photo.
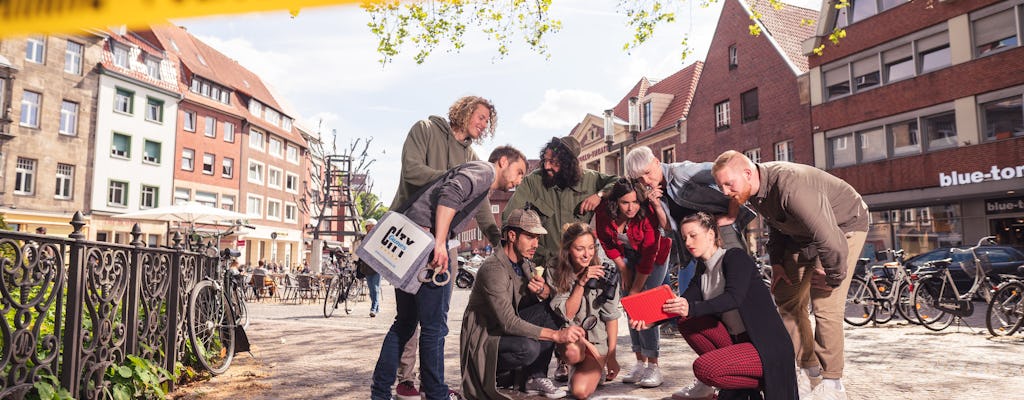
(298, 354)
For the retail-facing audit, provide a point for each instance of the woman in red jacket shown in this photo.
(628, 228)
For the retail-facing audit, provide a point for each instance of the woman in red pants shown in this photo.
(729, 319)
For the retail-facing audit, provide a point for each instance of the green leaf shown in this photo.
(124, 371)
(46, 390)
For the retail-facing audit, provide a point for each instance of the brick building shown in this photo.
(920, 109)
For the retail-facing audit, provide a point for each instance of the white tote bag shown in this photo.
(398, 249)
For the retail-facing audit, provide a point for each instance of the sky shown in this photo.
(324, 68)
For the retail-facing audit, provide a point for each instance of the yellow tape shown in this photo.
(18, 17)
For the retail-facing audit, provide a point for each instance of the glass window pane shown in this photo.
(887, 4)
(904, 138)
(837, 82)
(934, 59)
(995, 32)
(843, 152)
(940, 130)
(1003, 118)
(863, 9)
(872, 145)
(865, 73)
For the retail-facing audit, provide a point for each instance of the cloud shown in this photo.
(562, 109)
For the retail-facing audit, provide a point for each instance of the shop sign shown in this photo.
(995, 174)
(1004, 206)
(240, 243)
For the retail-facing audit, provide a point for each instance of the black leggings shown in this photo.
(532, 355)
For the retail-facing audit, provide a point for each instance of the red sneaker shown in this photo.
(407, 391)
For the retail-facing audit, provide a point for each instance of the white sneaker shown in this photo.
(544, 387)
(827, 392)
(696, 390)
(635, 374)
(652, 377)
(803, 384)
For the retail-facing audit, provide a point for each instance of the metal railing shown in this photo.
(73, 307)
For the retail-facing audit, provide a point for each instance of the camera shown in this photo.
(609, 283)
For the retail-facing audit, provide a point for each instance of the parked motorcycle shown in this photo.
(467, 274)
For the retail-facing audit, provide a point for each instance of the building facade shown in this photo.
(920, 109)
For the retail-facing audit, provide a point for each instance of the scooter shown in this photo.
(466, 276)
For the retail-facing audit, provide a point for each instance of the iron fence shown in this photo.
(74, 307)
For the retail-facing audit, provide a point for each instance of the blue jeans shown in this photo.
(373, 282)
(686, 275)
(646, 342)
(428, 308)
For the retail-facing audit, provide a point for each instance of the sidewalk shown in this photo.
(301, 355)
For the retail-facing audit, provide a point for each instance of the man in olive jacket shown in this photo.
(818, 224)
(507, 317)
(561, 191)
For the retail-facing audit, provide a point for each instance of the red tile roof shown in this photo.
(142, 75)
(681, 85)
(785, 27)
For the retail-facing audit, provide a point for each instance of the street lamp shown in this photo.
(633, 126)
(609, 130)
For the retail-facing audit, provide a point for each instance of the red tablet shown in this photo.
(646, 305)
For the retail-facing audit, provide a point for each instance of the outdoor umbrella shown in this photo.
(189, 212)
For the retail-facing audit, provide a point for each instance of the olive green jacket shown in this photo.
(556, 206)
(430, 150)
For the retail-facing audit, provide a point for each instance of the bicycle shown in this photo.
(344, 288)
(878, 298)
(936, 299)
(216, 311)
(1005, 312)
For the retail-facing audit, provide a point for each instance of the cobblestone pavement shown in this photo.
(298, 354)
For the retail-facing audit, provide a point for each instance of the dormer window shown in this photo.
(734, 57)
(120, 56)
(153, 67)
(648, 117)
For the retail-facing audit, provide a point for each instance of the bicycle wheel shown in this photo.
(924, 301)
(241, 310)
(859, 306)
(210, 328)
(348, 293)
(1004, 312)
(884, 308)
(331, 300)
(903, 305)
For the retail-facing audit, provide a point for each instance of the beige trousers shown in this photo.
(820, 346)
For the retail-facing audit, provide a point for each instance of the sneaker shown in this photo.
(696, 390)
(562, 372)
(453, 395)
(407, 391)
(635, 374)
(543, 387)
(803, 384)
(652, 377)
(827, 392)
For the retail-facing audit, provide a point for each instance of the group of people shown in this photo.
(546, 293)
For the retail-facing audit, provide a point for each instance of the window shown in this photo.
(154, 110)
(865, 73)
(994, 33)
(286, 124)
(151, 152)
(196, 84)
(898, 63)
(272, 116)
(940, 130)
(784, 151)
(648, 117)
(722, 115)
(229, 132)
(68, 118)
(842, 153)
(274, 177)
(837, 82)
(293, 154)
(153, 67)
(188, 159)
(120, 55)
(276, 147)
(227, 202)
(494, 209)
(862, 9)
(121, 146)
(255, 172)
(227, 165)
(25, 176)
(117, 194)
(35, 49)
(30, 108)
(255, 108)
(182, 196)
(934, 52)
(3, 94)
(274, 209)
(254, 206)
(190, 121)
(149, 197)
(872, 145)
(734, 59)
(206, 198)
(903, 136)
(65, 178)
(153, 240)
(211, 127)
(256, 140)
(291, 212)
(753, 154)
(123, 101)
(668, 155)
(291, 182)
(208, 160)
(1003, 119)
(748, 105)
(73, 58)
